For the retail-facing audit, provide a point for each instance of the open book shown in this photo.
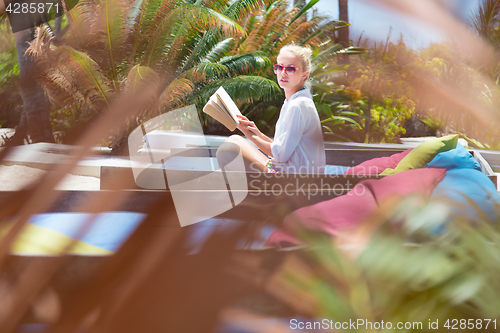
(222, 108)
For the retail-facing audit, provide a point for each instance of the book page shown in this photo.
(228, 103)
(220, 106)
(214, 111)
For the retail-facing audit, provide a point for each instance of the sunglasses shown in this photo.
(289, 70)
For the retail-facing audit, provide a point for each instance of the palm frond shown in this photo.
(299, 15)
(205, 70)
(209, 43)
(277, 20)
(254, 37)
(78, 17)
(272, 23)
(300, 32)
(217, 5)
(486, 19)
(251, 21)
(239, 8)
(325, 30)
(176, 93)
(138, 78)
(113, 13)
(218, 50)
(486, 16)
(68, 70)
(304, 10)
(192, 17)
(246, 89)
(245, 63)
(145, 17)
(322, 70)
(328, 55)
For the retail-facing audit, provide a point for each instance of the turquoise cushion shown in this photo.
(465, 191)
(454, 158)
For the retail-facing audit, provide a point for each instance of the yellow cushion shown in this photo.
(424, 153)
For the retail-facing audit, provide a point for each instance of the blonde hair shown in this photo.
(304, 54)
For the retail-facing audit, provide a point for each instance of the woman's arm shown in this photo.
(255, 135)
(288, 136)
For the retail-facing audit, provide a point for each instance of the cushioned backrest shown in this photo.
(455, 158)
(466, 191)
(376, 165)
(424, 153)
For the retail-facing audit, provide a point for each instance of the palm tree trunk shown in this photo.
(344, 32)
(35, 121)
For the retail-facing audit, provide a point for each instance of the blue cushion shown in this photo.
(335, 169)
(461, 186)
(108, 231)
(458, 157)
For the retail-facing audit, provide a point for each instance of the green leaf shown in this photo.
(340, 118)
(209, 72)
(309, 5)
(245, 63)
(353, 50)
(113, 29)
(93, 75)
(186, 18)
(241, 89)
(218, 50)
(140, 77)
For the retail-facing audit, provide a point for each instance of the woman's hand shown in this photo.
(255, 135)
(246, 126)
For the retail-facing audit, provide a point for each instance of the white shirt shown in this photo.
(298, 140)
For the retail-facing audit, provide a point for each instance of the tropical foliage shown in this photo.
(378, 81)
(188, 49)
(397, 268)
(117, 47)
(10, 97)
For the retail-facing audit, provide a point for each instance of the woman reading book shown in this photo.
(298, 141)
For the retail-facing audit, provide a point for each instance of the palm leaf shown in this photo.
(71, 71)
(207, 49)
(304, 9)
(205, 70)
(239, 8)
(176, 93)
(265, 27)
(327, 70)
(328, 55)
(251, 22)
(341, 119)
(218, 50)
(326, 29)
(217, 5)
(78, 16)
(245, 63)
(211, 39)
(241, 89)
(99, 88)
(144, 17)
(113, 13)
(192, 17)
(138, 78)
(486, 16)
(300, 32)
(299, 14)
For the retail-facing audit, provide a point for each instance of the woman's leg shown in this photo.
(253, 158)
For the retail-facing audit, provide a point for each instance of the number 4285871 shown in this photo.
(32, 8)
(472, 324)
